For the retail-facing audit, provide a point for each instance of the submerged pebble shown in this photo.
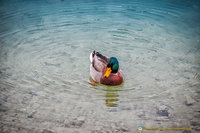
(30, 116)
(189, 100)
(163, 111)
(47, 131)
(74, 123)
(122, 130)
(195, 123)
(187, 131)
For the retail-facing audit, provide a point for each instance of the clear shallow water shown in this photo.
(44, 65)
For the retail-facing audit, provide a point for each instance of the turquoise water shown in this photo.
(44, 65)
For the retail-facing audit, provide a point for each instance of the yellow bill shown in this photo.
(108, 71)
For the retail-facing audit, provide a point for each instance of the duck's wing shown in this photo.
(98, 64)
(94, 74)
(99, 61)
(102, 57)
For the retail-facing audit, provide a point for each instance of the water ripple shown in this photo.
(45, 46)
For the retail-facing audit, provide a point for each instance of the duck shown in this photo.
(105, 70)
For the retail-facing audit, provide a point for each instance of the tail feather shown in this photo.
(92, 56)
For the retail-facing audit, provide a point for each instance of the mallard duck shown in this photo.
(105, 70)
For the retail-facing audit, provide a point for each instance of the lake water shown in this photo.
(44, 65)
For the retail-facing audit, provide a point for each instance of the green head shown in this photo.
(112, 66)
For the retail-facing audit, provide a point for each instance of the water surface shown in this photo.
(44, 65)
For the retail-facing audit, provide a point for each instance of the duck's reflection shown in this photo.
(111, 98)
(111, 93)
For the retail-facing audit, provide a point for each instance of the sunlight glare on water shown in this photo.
(44, 65)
